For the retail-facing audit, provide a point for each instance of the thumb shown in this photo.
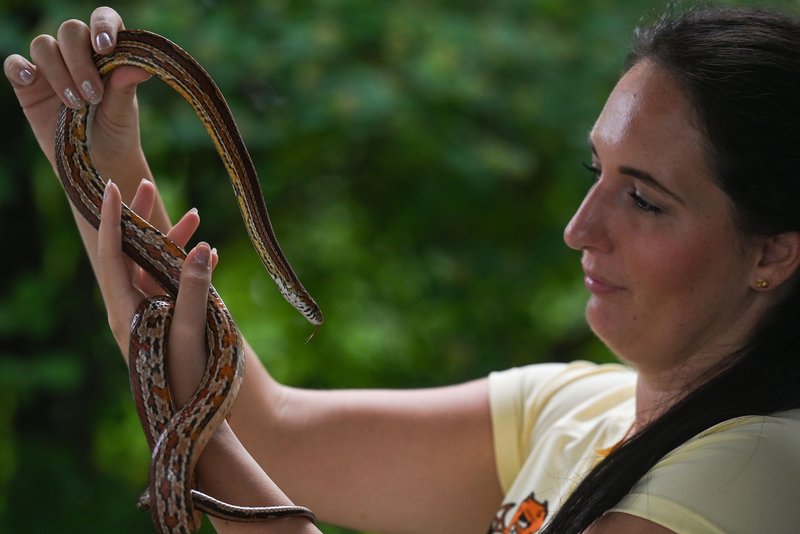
(116, 143)
(187, 339)
(125, 79)
(119, 99)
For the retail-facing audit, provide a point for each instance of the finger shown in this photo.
(195, 282)
(119, 111)
(19, 71)
(104, 26)
(144, 199)
(180, 235)
(187, 343)
(105, 23)
(120, 297)
(185, 228)
(77, 40)
(149, 287)
(142, 204)
(46, 54)
(109, 231)
(74, 40)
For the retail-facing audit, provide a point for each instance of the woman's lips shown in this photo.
(598, 285)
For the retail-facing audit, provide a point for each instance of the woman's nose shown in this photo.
(588, 228)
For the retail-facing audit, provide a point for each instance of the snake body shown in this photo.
(178, 436)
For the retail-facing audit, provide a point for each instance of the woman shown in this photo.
(690, 241)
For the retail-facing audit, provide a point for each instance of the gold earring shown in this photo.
(762, 283)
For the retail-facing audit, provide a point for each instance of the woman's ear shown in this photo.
(779, 260)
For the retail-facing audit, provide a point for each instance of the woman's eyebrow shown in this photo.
(640, 175)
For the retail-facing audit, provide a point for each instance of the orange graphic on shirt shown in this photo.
(529, 517)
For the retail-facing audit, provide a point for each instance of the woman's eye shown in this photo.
(593, 169)
(644, 205)
(638, 200)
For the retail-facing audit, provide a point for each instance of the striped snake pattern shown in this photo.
(177, 437)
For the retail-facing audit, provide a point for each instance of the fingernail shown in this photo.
(90, 92)
(72, 99)
(105, 191)
(103, 41)
(193, 210)
(202, 255)
(26, 77)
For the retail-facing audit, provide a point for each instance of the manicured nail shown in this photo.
(202, 255)
(105, 191)
(72, 99)
(214, 257)
(193, 210)
(103, 41)
(90, 92)
(26, 77)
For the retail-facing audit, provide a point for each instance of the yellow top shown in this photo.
(553, 422)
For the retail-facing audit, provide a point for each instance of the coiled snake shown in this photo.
(177, 437)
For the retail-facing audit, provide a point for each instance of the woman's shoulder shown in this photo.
(755, 433)
(754, 450)
(743, 471)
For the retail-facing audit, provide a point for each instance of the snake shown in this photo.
(177, 435)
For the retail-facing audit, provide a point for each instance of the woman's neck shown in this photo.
(659, 390)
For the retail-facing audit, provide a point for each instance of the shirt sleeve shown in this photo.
(741, 476)
(527, 400)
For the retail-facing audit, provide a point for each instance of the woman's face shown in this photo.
(667, 269)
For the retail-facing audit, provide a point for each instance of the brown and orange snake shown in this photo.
(177, 436)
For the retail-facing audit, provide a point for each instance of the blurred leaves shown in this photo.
(419, 159)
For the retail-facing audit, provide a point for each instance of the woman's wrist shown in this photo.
(226, 471)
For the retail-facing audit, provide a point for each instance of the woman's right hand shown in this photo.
(61, 71)
(225, 469)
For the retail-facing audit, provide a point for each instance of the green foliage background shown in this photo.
(419, 158)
